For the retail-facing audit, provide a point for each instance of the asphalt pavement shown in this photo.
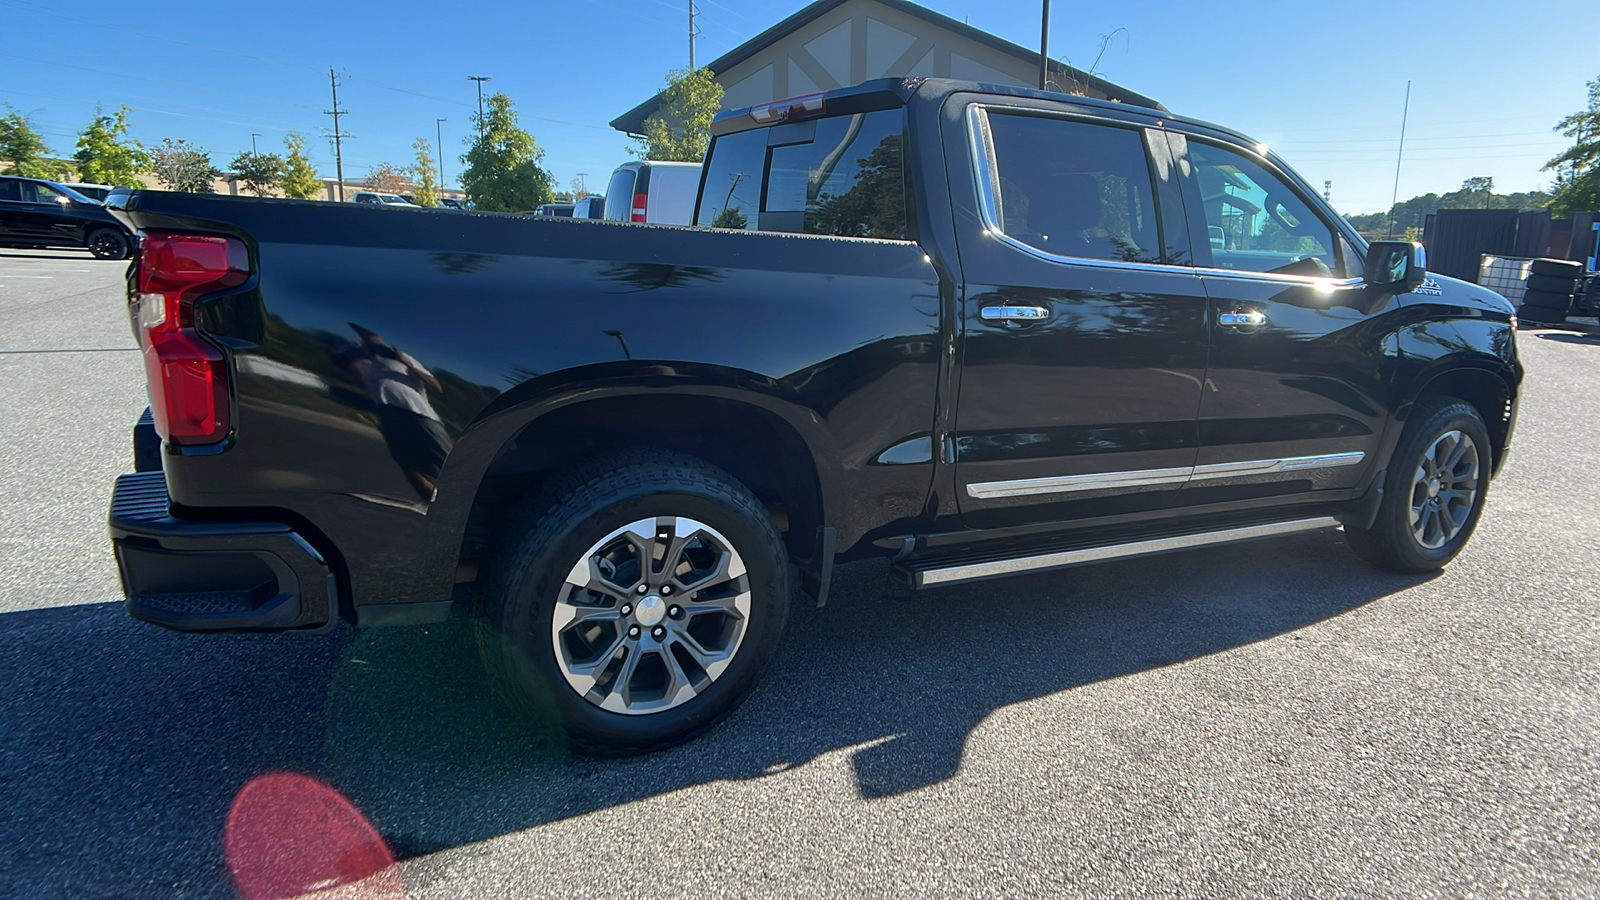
(1268, 720)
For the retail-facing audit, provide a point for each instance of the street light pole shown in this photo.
(480, 79)
(438, 131)
(253, 137)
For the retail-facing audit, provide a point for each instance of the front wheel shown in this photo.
(107, 243)
(1433, 493)
(635, 602)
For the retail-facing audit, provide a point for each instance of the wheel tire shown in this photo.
(1558, 302)
(1556, 268)
(1550, 284)
(1538, 315)
(107, 243)
(1392, 542)
(570, 520)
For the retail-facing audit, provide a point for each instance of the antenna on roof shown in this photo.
(1044, 46)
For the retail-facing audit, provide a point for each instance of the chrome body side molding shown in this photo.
(1094, 482)
(990, 490)
(1067, 558)
(1270, 466)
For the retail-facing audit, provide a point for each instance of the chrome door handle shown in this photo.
(1243, 318)
(1014, 313)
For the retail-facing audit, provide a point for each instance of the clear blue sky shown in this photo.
(1322, 83)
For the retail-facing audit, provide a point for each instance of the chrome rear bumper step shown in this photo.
(934, 574)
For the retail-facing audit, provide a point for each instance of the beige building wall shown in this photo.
(861, 40)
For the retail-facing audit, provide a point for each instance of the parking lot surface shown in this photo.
(1265, 720)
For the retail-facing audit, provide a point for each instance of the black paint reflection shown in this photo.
(397, 385)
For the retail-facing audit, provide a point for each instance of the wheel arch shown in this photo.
(1480, 383)
(756, 438)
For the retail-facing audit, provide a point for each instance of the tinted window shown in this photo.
(1075, 189)
(843, 175)
(619, 195)
(34, 192)
(732, 195)
(9, 190)
(1256, 221)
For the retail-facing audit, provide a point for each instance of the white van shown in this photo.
(661, 193)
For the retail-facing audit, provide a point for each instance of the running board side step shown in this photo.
(935, 573)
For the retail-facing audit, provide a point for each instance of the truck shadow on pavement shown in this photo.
(122, 746)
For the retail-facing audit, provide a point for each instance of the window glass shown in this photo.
(847, 179)
(619, 195)
(1256, 222)
(33, 192)
(9, 190)
(733, 184)
(1075, 189)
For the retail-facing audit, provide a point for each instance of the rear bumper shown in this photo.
(192, 575)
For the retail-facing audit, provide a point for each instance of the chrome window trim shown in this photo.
(1102, 481)
(986, 171)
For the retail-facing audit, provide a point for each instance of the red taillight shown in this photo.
(641, 203)
(188, 374)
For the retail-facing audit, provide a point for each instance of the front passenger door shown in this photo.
(1295, 394)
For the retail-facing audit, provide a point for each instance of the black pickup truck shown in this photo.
(977, 330)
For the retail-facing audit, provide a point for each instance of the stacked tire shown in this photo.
(1551, 284)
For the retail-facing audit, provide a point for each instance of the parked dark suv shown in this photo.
(38, 213)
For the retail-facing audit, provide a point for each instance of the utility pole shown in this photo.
(1399, 155)
(480, 79)
(1327, 192)
(583, 186)
(1044, 47)
(693, 33)
(338, 136)
(253, 137)
(438, 132)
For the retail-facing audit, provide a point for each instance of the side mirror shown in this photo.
(1398, 267)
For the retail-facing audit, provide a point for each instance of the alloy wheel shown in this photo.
(651, 615)
(1444, 489)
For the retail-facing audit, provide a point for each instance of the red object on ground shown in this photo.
(289, 835)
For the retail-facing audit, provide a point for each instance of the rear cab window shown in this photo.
(840, 175)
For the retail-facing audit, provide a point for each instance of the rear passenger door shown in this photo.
(1083, 326)
(1295, 393)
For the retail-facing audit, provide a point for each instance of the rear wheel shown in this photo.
(635, 602)
(1433, 493)
(107, 243)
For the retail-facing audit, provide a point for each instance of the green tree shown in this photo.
(106, 155)
(502, 172)
(299, 178)
(181, 166)
(260, 172)
(424, 186)
(681, 130)
(1577, 187)
(20, 146)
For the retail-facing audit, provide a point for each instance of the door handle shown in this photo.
(1014, 314)
(1243, 318)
